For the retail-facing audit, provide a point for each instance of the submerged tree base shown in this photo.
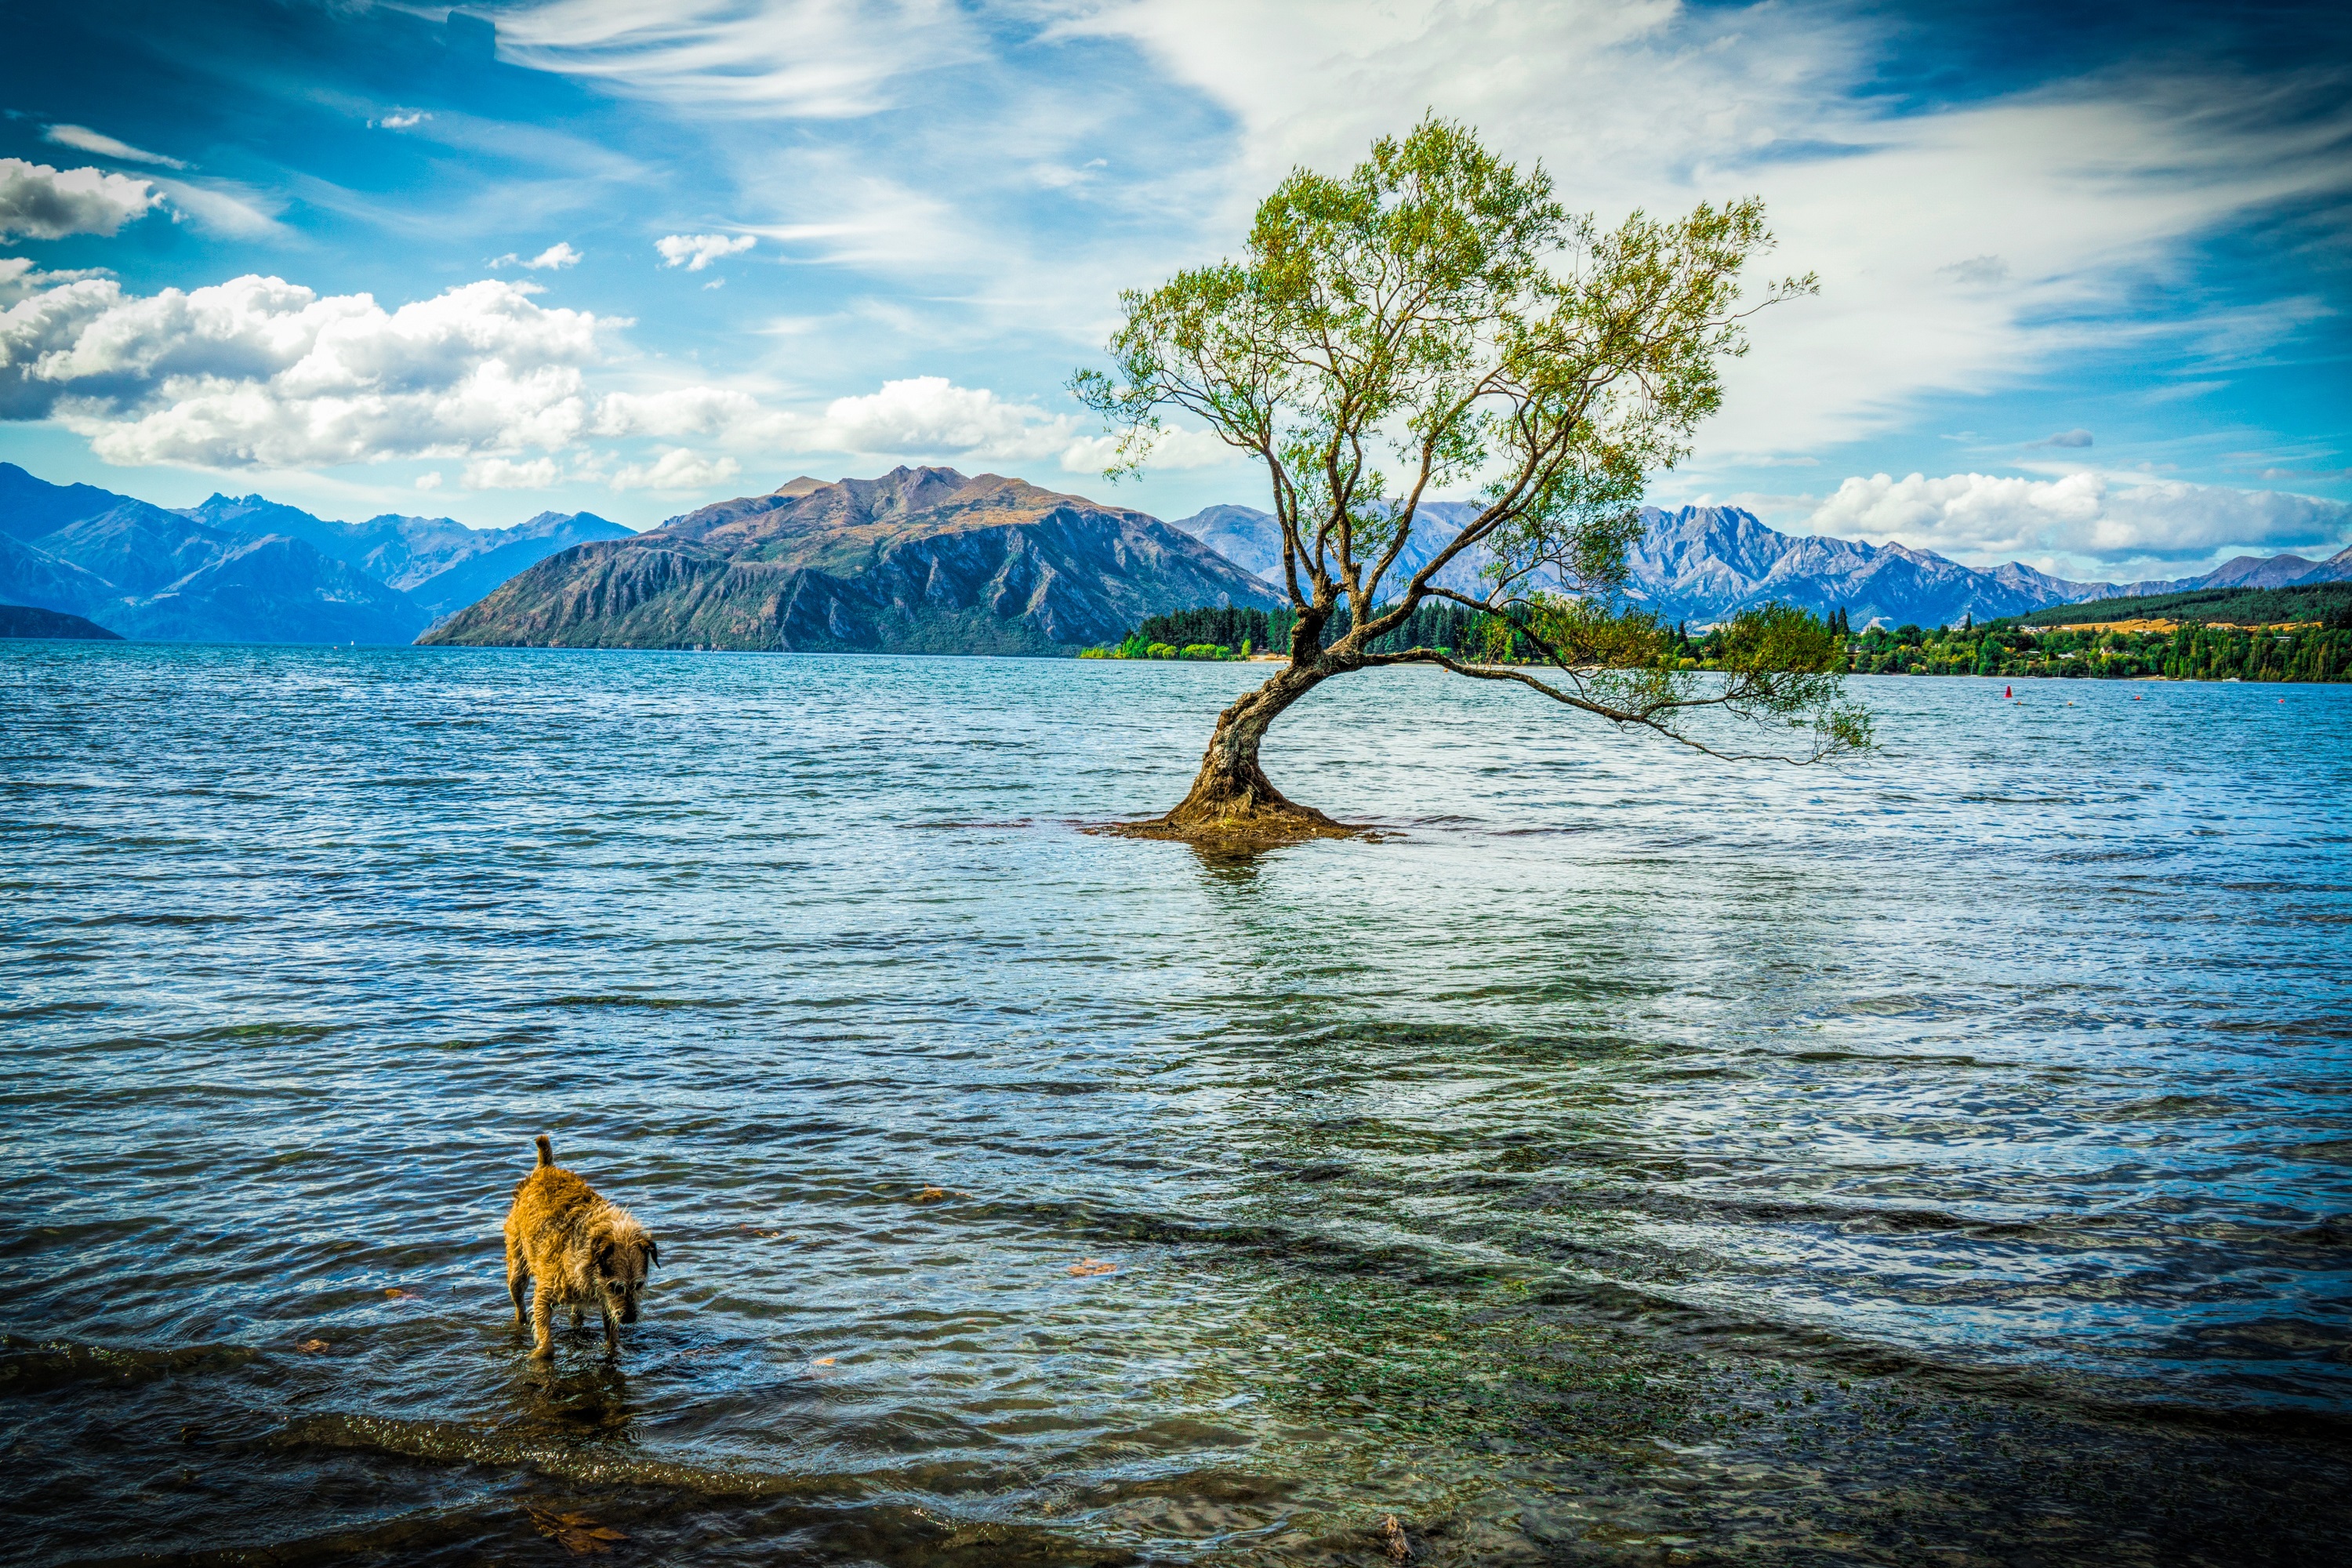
(1236, 826)
(1232, 803)
(1235, 806)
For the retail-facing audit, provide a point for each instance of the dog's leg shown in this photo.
(542, 1315)
(577, 1319)
(515, 1274)
(611, 1331)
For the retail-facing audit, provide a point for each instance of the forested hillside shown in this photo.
(2192, 652)
(2324, 602)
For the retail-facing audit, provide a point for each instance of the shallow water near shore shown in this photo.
(1625, 1157)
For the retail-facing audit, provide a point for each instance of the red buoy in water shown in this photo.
(2005, 691)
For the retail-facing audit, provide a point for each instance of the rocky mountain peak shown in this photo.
(919, 560)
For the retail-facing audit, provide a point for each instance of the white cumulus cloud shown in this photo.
(929, 415)
(21, 279)
(507, 474)
(554, 257)
(37, 202)
(678, 469)
(685, 411)
(1178, 447)
(919, 418)
(87, 141)
(2082, 517)
(696, 251)
(258, 371)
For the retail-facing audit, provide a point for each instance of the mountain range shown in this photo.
(1704, 565)
(919, 560)
(251, 570)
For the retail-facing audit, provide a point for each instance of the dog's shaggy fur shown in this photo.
(579, 1250)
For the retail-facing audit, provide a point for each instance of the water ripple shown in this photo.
(1624, 1150)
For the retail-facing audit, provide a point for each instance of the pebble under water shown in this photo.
(1625, 1157)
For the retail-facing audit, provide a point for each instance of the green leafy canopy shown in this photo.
(1437, 320)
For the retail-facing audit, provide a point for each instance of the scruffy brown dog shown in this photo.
(580, 1250)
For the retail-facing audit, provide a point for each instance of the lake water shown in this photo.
(1627, 1157)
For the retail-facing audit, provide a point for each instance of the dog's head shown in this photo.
(622, 1255)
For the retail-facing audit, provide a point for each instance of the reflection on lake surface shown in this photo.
(1634, 1158)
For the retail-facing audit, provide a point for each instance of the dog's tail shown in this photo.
(546, 1150)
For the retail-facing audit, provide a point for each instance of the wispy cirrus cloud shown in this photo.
(87, 141)
(1964, 248)
(955, 194)
(219, 207)
(821, 60)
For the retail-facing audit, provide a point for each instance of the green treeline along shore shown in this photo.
(1235, 632)
(2281, 634)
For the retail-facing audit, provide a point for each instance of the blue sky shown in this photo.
(2085, 272)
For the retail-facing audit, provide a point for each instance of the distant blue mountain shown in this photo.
(35, 578)
(1705, 564)
(142, 571)
(30, 507)
(437, 561)
(270, 589)
(247, 569)
(1242, 534)
(1250, 540)
(2261, 572)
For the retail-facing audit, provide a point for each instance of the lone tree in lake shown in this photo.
(1438, 311)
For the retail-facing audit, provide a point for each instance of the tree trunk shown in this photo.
(1232, 798)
